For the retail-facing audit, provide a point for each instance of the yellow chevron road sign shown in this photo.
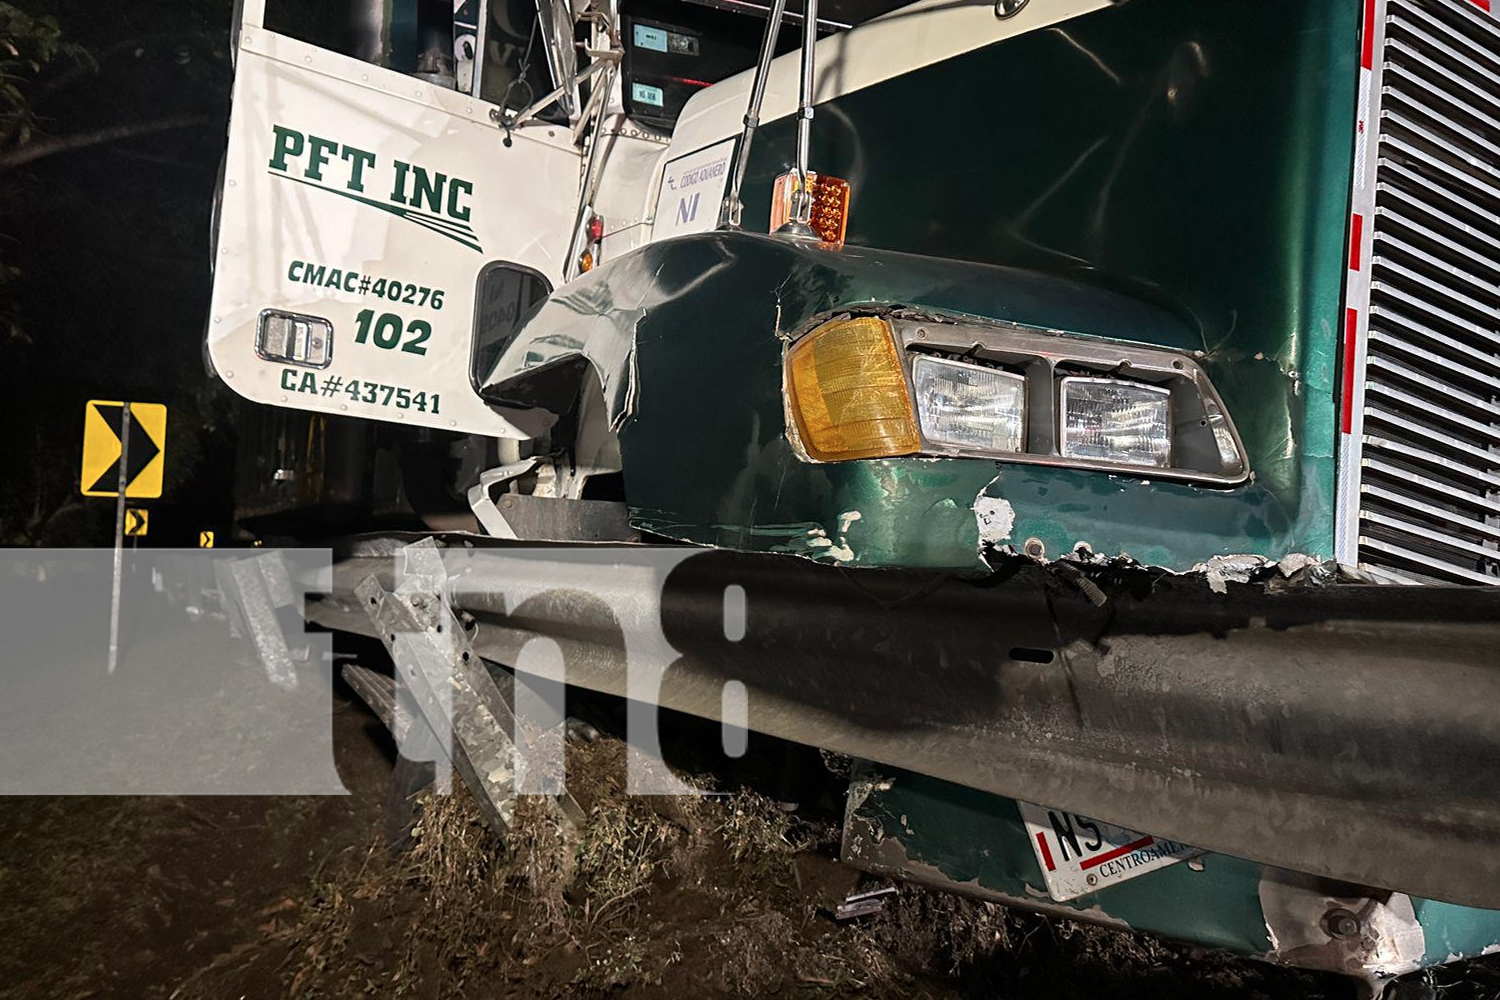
(147, 457)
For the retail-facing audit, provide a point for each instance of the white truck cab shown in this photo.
(404, 181)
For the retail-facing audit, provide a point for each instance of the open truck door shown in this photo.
(370, 210)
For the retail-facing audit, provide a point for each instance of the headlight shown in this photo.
(882, 387)
(1113, 421)
(968, 406)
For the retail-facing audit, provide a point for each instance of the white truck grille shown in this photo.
(1425, 297)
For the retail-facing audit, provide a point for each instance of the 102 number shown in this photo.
(387, 329)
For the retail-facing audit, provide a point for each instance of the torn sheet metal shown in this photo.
(1220, 571)
(464, 715)
(1372, 936)
(835, 549)
(996, 519)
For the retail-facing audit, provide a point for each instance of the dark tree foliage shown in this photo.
(112, 126)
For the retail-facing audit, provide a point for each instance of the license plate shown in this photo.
(1079, 855)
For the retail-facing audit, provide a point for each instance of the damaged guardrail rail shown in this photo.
(1346, 731)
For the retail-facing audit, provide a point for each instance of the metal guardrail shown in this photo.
(1345, 731)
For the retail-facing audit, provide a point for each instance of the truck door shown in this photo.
(362, 206)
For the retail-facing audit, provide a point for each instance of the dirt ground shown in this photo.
(213, 898)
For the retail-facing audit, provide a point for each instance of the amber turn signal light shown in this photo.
(830, 205)
(848, 392)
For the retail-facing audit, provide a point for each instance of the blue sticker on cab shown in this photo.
(646, 95)
(647, 37)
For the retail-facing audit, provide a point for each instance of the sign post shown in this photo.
(112, 468)
(114, 594)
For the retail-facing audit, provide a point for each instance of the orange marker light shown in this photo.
(830, 207)
(848, 393)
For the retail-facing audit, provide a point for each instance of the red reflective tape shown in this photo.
(1118, 852)
(1367, 41)
(1482, 4)
(1356, 234)
(1351, 330)
(1041, 843)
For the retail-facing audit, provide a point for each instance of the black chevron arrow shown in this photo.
(142, 451)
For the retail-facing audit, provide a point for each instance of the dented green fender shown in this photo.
(689, 338)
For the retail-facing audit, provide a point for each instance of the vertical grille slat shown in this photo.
(1429, 477)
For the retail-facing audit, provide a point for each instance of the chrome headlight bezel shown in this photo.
(1205, 446)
